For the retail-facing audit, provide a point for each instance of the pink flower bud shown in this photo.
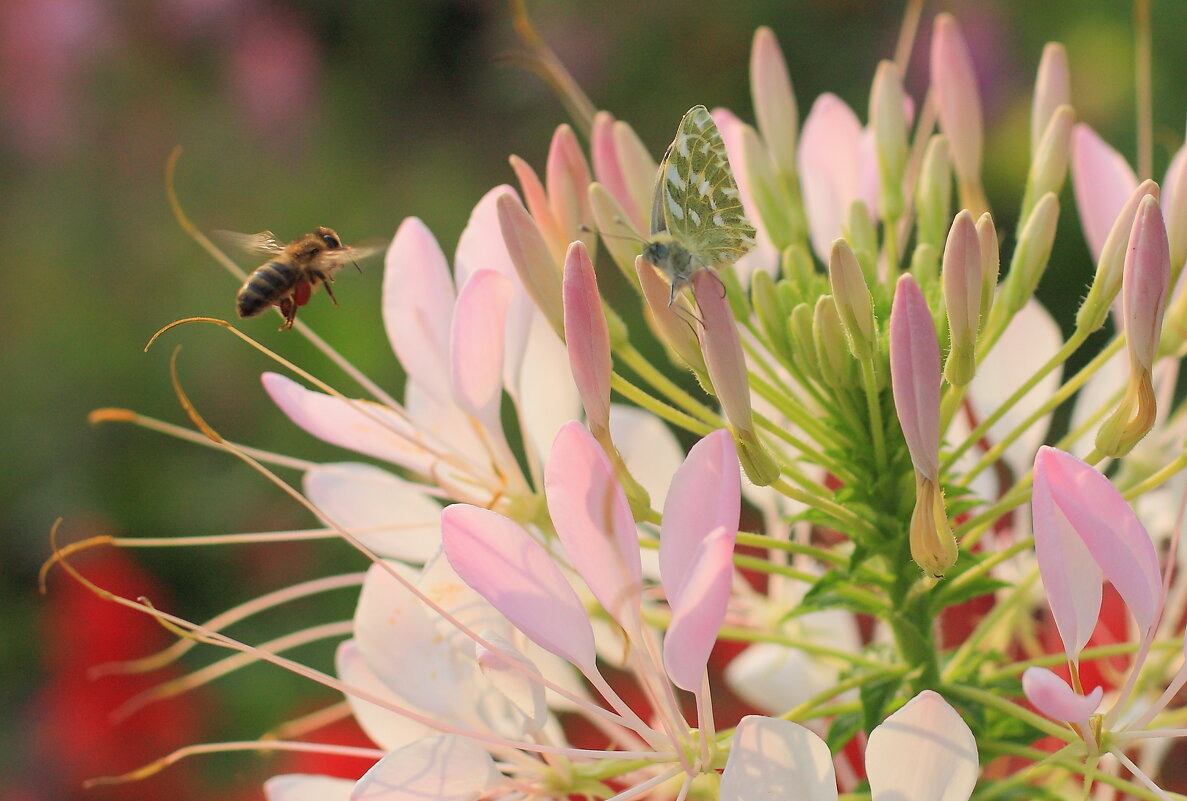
(587, 338)
(774, 101)
(536, 199)
(1110, 265)
(990, 262)
(915, 375)
(888, 120)
(568, 180)
(726, 364)
(1052, 90)
(962, 282)
(958, 102)
(671, 327)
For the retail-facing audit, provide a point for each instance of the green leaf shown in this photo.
(875, 696)
(843, 729)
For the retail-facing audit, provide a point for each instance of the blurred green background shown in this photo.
(352, 115)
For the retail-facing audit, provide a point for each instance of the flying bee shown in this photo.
(292, 272)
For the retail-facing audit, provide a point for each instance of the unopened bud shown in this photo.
(990, 263)
(802, 339)
(1110, 267)
(1175, 206)
(961, 278)
(1052, 90)
(774, 101)
(889, 121)
(778, 206)
(863, 236)
(772, 317)
(852, 297)
(925, 265)
(1048, 167)
(915, 375)
(933, 194)
(670, 327)
(933, 546)
(958, 103)
(837, 367)
(1032, 254)
(621, 240)
(726, 363)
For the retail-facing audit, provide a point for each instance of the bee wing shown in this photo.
(340, 257)
(264, 243)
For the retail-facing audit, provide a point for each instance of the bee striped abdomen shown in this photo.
(267, 285)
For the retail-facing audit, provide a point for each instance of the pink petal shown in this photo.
(606, 166)
(593, 520)
(1102, 181)
(638, 169)
(958, 101)
(777, 760)
(1174, 204)
(534, 264)
(698, 609)
(764, 255)
(536, 200)
(705, 495)
(1068, 492)
(307, 787)
(359, 425)
(915, 375)
(517, 576)
(442, 768)
(829, 168)
(481, 247)
(1052, 696)
(1144, 287)
(417, 305)
(586, 336)
(476, 346)
(923, 752)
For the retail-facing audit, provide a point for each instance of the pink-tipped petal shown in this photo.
(764, 255)
(593, 520)
(698, 608)
(534, 263)
(1070, 494)
(638, 169)
(390, 515)
(607, 168)
(830, 159)
(442, 768)
(1144, 286)
(705, 495)
(536, 200)
(915, 375)
(568, 180)
(1052, 696)
(1102, 181)
(476, 346)
(1052, 90)
(418, 301)
(773, 760)
(587, 337)
(359, 425)
(923, 752)
(958, 101)
(307, 787)
(504, 565)
(1174, 204)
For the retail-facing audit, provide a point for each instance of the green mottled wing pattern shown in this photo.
(696, 198)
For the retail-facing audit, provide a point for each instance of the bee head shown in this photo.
(328, 236)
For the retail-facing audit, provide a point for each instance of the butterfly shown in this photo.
(696, 214)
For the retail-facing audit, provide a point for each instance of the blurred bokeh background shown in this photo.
(353, 115)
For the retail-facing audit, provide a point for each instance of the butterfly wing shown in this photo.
(697, 195)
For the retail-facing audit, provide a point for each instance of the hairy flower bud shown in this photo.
(832, 352)
(852, 298)
(933, 546)
(933, 193)
(1111, 265)
(1048, 167)
(990, 263)
(1032, 254)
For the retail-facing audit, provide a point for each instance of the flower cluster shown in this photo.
(868, 394)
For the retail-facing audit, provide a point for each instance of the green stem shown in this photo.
(1070, 765)
(864, 597)
(950, 405)
(987, 624)
(1008, 707)
(770, 543)
(874, 405)
(1087, 655)
(649, 373)
(659, 408)
(846, 520)
(736, 634)
(796, 413)
(813, 455)
(1077, 338)
(1156, 479)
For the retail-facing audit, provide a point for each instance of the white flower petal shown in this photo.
(777, 760)
(441, 768)
(648, 447)
(386, 729)
(923, 752)
(306, 787)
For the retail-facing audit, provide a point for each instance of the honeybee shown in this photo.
(292, 272)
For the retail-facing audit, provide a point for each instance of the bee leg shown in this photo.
(288, 308)
(326, 283)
